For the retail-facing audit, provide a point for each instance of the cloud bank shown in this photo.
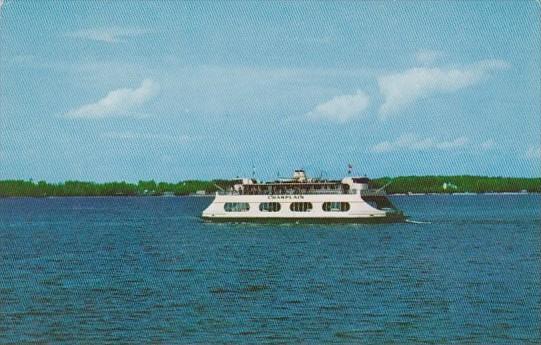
(399, 90)
(488, 144)
(412, 142)
(108, 35)
(427, 56)
(130, 135)
(533, 152)
(341, 109)
(117, 102)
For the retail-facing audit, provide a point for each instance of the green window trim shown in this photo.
(301, 206)
(269, 207)
(236, 207)
(336, 206)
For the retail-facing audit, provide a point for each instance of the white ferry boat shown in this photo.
(305, 200)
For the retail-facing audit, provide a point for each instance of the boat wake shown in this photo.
(416, 222)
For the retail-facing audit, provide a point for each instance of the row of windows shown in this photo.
(295, 206)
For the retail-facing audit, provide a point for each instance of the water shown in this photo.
(146, 270)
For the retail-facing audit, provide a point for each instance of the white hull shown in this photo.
(357, 210)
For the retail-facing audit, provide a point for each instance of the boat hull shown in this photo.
(395, 218)
(320, 208)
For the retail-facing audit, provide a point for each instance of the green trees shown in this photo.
(147, 187)
(10, 188)
(403, 184)
(463, 183)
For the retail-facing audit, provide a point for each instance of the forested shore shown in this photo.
(458, 184)
(397, 185)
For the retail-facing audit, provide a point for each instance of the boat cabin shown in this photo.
(300, 184)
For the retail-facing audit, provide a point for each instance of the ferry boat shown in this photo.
(303, 200)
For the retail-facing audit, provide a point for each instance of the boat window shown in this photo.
(269, 207)
(336, 206)
(236, 206)
(300, 206)
(361, 180)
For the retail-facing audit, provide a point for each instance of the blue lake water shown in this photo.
(147, 270)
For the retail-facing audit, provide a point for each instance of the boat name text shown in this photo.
(273, 197)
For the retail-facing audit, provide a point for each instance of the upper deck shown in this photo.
(300, 185)
(293, 187)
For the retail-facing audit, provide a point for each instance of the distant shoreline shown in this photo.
(397, 186)
(210, 195)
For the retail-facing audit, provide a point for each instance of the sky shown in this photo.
(173, 90)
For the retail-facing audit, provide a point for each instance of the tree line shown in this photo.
(457, 184)
(404, 184)
(9, 188)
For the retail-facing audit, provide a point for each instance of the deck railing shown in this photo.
(367, 192)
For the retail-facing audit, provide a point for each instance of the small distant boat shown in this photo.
(303, 200)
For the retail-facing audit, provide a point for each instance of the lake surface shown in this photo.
(147, 270)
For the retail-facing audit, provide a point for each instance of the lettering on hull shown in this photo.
(285, 197)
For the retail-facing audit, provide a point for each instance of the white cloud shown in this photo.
(488, 144)
(130, 135)
(125, 135)
(342, 108)
(533, 152)
(108, 35)
(453, 144)
(117, 102)
(427, 56)
(412, 142)
(401, 89)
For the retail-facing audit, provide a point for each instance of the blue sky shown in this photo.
(171, 90)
